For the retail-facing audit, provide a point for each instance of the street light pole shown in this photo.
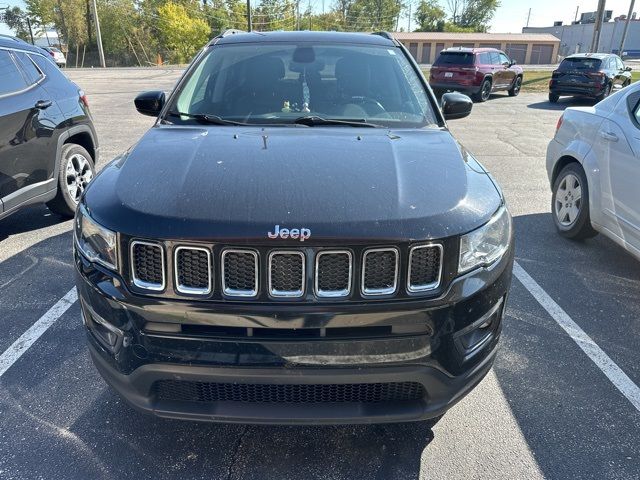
(626, 27)
(98, 34)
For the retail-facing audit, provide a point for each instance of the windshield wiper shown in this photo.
(314, 120)
(206, 118)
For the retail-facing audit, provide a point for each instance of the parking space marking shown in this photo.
(613, 372)
(28, 338)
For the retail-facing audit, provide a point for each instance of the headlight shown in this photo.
(94, 241)
(486, 244)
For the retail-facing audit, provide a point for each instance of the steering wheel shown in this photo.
(368, 101)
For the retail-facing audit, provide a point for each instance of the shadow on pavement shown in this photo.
(563, 103)
(27, 220)
(573, 418)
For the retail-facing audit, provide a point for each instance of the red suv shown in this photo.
(476, 72)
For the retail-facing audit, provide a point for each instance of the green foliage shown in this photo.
(473, 14)
(181, 32)
(16, 20)
(430, 16)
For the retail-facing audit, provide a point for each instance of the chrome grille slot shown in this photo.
(380, 271)
(193, 270)
(425, 267)
(147, 265)
(333, 273)
(240, 273)
(286, 274)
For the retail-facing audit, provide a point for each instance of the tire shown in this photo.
(515, 88)
(554, 97)
(605, 93)
(74, 174)
(570, 203)
(484, 92)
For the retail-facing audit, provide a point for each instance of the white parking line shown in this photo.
(613, 372)
(28, 338)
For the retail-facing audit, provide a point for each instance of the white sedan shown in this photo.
(593, 163)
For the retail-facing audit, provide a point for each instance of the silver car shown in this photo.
(593, 163)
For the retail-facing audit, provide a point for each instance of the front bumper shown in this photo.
(433, 343)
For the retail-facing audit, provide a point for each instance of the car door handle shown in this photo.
(612, 137)
(42, 104)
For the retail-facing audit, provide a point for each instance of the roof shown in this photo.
(470, 50)
(476, 37)
(589, 55)
(303, 36)
(12, 42)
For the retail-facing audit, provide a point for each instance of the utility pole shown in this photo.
(626, 27)
(409, 19)
(297, 14)
(528, 17)
(575, 19)
(98, 35)
(598, 26)
(249, 27)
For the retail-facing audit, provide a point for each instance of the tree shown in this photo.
(373, 15)
(473, 14)
(16, 20)
(181, 33)
(429, 16)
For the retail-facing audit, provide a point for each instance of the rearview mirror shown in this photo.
(455, 105)
(149, 103)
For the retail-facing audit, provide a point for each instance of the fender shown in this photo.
(64, 136)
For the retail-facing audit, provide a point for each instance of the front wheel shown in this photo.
(515, 88)
(570, 203)
(485, 91)
(75, 172)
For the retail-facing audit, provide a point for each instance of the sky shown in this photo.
(511, 16)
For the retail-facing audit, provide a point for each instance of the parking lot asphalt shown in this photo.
(546, 410)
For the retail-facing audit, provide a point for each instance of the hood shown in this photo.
(235, 184)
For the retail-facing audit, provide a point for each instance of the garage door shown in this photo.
(490, 45)
(517, 51)
(426, 53)
(464, 45)
(541, 54)
(413, 50)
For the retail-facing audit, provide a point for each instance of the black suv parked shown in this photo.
(48, 145)
(588, 75)
(298, 239)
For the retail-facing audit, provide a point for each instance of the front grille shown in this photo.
(147, 265)
(380, 271)
(333, 274)
(240, 273)
(286, 274)
(193, 270)
(205, 392)
(425, 263)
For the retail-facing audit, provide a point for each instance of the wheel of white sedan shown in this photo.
(570, 203)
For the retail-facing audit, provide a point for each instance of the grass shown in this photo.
(538, 80)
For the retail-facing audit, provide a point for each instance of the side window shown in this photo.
(619, 64)
(32, 72)
(485, 59)
(495, 58)
(504, 59)
(11, 80)
(636, 113)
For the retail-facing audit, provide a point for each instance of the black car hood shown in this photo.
(236, 183)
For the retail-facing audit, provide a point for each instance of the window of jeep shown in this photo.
(277, 83)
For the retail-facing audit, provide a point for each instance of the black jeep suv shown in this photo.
(48, 144)
(298, 239)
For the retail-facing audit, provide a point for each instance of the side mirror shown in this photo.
(627, 69)
(513, 62)
(149, 103)
(455, 105)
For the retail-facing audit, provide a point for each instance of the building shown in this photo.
(524, 48)
(577, 38)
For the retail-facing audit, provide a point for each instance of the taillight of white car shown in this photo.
(559, 124)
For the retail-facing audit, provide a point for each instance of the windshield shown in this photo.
(580, 63)
(280, 83)
(454, 58)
